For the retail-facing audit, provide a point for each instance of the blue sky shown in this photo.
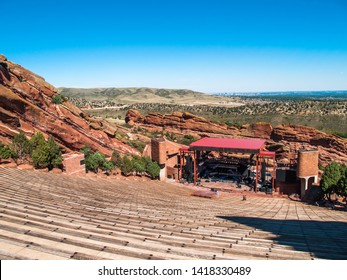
(210, 46)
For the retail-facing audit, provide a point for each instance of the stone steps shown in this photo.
(49, 216)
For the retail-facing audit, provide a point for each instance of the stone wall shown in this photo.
(73, 163)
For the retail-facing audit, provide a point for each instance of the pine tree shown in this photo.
(330, 178)
(19, 147)
(5, 151)
(127, 166)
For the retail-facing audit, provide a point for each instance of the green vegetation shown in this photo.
(187, 140)
(5, 151)
(42, 153)
(19, 147)
(136, 144)
(341, 134)
(129, 165)
(153, 169)
(320, 166)
(58, 99)
(171, 136)
(334, 180)
(116, 159)
(121, 136)
(45, 154)
(327, 116)
(140, 166)
(96, 161)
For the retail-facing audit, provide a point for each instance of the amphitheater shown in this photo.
(54, 216)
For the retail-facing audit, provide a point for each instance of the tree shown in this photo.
(188, 139)
(107, 166)
(127, 166)
(139, 165)
(95, 161)
(342, 183)
(87, 151)
(330, 178)
(54, 154)
(58, 99)
(153, 169)
(136, 144)
(35, 141)
(5, 151)
(19, 147)
(46, 154)
(39, 156)
(116, 159)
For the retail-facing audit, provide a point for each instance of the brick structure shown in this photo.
(307, 169)
(165, 153)
(73, 163)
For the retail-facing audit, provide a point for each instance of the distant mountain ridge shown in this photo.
(323, 94)
(142, 95)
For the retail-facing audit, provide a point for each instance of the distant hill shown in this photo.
(143, 95)
(291, 95)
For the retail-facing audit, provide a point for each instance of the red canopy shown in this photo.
(251, 146)
(267, 154)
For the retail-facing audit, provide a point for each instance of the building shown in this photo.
(179, 161)
(254, 148)
(166, 154)
(73, 163)
(307, 169)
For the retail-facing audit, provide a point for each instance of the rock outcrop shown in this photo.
(285, 140)
(26, 105)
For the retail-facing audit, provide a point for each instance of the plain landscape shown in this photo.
(323, 110)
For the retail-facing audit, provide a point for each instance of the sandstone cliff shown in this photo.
(26, 104)
(284, 139)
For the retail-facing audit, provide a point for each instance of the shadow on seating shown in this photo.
(326, 240)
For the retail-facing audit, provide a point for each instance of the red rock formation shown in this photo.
(284, 140)
(178, 122)
(26, 105)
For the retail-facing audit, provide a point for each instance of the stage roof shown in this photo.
(249, 146)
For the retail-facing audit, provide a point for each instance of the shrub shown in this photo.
(19, 147)
(46, 154)
(127, 166)
(342, 183)
(187, 140)
(87, 151)
(139, 164)
(58, 99)
(5, 151)
(153, 170)
(39, 156)
(35, 141)
(95, 161)
(116, 159)
(136, 144)
(330, 178)
(171, 136)
(107, 166)
(54, 154)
